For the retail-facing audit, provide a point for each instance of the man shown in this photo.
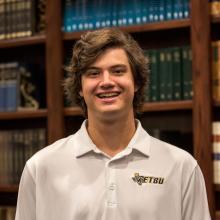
(111, 168)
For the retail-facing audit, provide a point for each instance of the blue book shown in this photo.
(186, 8)
(122, 13)
(177, 9)
(114, 13)
(90, 14)
(67, 16)
(108, 13)
(130, 12)
(156, 5)
(144, 11)
(151, 10)
(161, 10)
(2, 88)
(12, 85)
(169, 9)
(138, 11)
(98, 13)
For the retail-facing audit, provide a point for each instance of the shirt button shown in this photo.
(112, 186)
(111, 204)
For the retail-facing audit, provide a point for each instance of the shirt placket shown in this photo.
(111, 186)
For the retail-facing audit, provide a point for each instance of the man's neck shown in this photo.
(111, 136)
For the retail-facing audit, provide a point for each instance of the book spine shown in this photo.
(177, 81)
(163, 75)
(216, 151)
(144, 11)
(154, 76)
(11, 81)
(187, 73)
(215, 72)
(169, 74)
(169, 9)
(2, 20)
(2, 88)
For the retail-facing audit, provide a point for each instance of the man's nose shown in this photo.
(106, 79)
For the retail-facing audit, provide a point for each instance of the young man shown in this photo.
(111, 168)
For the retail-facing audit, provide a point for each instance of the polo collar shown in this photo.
(140, 141)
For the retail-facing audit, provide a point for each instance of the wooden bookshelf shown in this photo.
(215, 19)
(217, 215)
(157, 26)
(40, 113)
(147, 107)
(201, 105)
(9, 189)
(23, 41)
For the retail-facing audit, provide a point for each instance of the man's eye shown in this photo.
(92, 74)
(118, 71)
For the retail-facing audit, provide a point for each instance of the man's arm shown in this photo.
(195, 204)
(26, 204)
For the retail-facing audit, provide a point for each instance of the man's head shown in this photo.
(91, 47)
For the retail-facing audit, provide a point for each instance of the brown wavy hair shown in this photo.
(93, 44)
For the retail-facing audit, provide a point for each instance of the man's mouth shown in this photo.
(108, 95)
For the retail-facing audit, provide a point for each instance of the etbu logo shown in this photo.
(147, 179)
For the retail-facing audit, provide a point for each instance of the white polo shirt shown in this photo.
(73, 180)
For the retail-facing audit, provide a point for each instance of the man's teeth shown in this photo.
(107, 95)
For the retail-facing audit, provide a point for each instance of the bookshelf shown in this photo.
(197, 28)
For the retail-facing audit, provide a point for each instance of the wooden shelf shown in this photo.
(217, 104)
(217, 215)
(73, 111)
(23, 114)
(9, 189)
(168, 106)
(215, 19)
(156, 26)
(23, 41)
(148, 107)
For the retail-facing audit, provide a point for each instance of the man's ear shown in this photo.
(136, 88)
(81, 93)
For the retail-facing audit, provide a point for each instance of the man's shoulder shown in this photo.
(164, 151)
(60, 148)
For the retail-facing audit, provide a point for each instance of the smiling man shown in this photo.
(111, 169)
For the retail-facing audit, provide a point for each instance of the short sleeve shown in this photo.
(26, 203)
(194, 203)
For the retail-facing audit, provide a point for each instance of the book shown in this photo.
(177, 73)
(215, 45)
(187, 72)
(216, 151)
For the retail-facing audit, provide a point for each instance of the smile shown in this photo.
(108, 95)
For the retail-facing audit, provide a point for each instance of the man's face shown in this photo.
(108, 85)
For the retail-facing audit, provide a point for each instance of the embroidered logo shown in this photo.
(147, 179)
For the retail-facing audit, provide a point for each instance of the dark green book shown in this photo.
(169, 74)
(177, 73)
(187, 72)
(163, 75)
(154, 76)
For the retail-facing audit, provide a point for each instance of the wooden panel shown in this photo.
(54, 62)
(200, 37)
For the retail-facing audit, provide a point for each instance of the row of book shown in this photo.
(214, 7)
(7, 212)
(216, 150)
(81, 15)
(170, 74)
(21, 86)
(21, 18)
(215, 57)
(16, 147)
